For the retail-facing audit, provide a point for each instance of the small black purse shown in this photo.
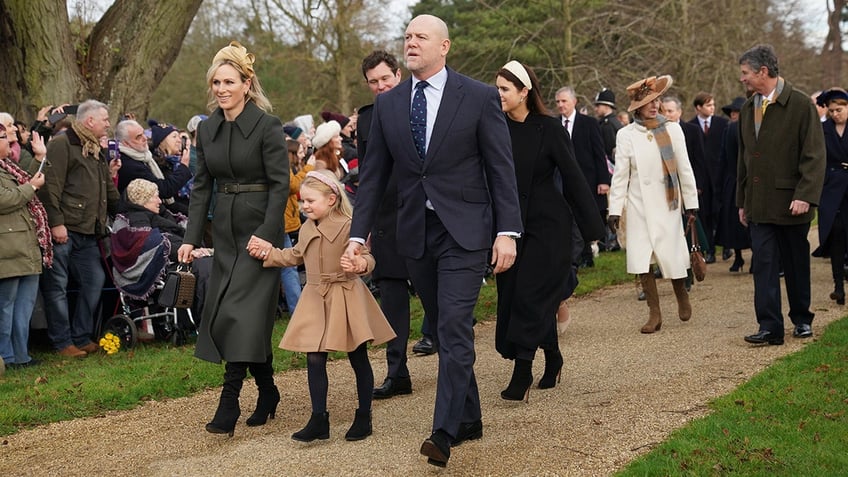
(178, 291)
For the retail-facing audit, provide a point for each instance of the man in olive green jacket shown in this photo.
(780, 176)
(78, 197)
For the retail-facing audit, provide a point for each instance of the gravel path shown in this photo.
(621, 394)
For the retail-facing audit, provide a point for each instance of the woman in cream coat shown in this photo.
(653, 181)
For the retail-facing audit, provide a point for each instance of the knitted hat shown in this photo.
(304, 122)
(191, 127)
(158, 132)
(139, 191)
(293, 132)
(339, 118)
(606, 96)
(325, 132)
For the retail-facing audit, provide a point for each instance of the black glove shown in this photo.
(612, 221)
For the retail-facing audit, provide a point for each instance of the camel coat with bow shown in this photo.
(336, 311)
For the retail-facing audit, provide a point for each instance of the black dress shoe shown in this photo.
(424, 346)
(803, 331)
(437, 449)
(763, 337)
(393, 387)
(468, 431)
(726, 254)
(709, 258)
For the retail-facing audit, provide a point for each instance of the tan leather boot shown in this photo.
(649, 286)
(684, 308)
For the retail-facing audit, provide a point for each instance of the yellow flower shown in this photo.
(110, 343)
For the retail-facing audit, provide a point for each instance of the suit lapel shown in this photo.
(451, 100)
(400, 104)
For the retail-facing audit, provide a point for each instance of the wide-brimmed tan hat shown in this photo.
(644, 91)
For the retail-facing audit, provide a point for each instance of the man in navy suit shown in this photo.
(712, 127)
(672, 109)
(456, 194)
(585, 133)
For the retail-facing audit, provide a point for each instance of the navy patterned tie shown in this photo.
(418, 119)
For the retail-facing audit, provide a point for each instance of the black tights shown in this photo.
(837, 248)
(316, 371)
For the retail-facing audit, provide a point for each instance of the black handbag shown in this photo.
(178, 291)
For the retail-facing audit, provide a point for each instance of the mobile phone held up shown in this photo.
(183, 143)
(114, 152)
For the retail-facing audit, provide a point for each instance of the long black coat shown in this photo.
(833, 198)
(242, 298)
(529, 292)
(589, 152)
(730, 233)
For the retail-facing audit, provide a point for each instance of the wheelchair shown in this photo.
(175, 325)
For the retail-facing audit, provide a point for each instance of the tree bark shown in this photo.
(120, 63)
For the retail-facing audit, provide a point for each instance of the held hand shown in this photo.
(43, 112)
(114, 166)
(603, 189)
(37, 180)
(613, 221)
(690, 215)
(742, 219)
(503, 253)
(353, 249)
(258, 248)
(186, 157)
(60, 234)
(799, 207)
(184, 253)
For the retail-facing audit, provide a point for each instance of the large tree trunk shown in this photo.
(832, 54)
(120, 63)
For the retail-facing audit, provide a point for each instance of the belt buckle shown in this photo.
(231, 188)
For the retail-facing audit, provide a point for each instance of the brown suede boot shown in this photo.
(649, 286)
(684, 308)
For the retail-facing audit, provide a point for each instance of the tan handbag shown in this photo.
(178, 291)
(696, 257)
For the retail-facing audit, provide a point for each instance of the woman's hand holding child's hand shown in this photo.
(356, 265)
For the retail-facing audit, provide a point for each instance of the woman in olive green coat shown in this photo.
(242, 160)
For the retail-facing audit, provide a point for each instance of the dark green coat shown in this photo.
(241, 300)
(785, 163)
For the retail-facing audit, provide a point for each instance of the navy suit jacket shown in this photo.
(589, 150)
(468, 174)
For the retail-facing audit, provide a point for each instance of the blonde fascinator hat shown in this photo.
(237, 54)
(644, 91)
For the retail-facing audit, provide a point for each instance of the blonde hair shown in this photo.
(237, 56)
(343, 205)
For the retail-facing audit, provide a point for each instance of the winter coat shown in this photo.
(654, 232)
(835, 190)
(19, 250)
(336, 311)
(241, 301)
(785, 162)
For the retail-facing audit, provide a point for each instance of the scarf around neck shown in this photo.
(90, 144)
(669, 161)
(145, 157)
(36, 210)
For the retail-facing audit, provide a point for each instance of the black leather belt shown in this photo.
(236, 188)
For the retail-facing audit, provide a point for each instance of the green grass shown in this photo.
(61, 388)
(788, 420)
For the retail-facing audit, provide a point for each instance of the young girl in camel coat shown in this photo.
(336, 311)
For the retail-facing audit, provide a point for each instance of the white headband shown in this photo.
(518, 70)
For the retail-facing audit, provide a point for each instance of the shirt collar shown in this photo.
(437, 81)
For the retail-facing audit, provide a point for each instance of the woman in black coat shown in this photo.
(242, 160)
(730, 233)
(552, 192)
(833, 207)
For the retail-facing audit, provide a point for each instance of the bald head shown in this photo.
(426, 45)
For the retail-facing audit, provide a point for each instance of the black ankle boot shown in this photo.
(838, 291)
(318, 427)
(269, 395)
(228, 411)
(519, 386)
(553, 369)
(361, 427)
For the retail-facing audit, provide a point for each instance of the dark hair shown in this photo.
(535, 104)
(379, 56)
(293, 146)
(759, 56)
(702, 98)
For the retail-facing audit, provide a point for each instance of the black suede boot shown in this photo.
(519, 386)
(318, 427)
(553, 369)
(269, 395)
(228, 411)
(361, 427)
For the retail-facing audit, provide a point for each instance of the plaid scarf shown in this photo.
(36, 210)
(669, 162)
(90, 144)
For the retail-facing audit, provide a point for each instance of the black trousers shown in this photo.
(775, 247)
(394, 301)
